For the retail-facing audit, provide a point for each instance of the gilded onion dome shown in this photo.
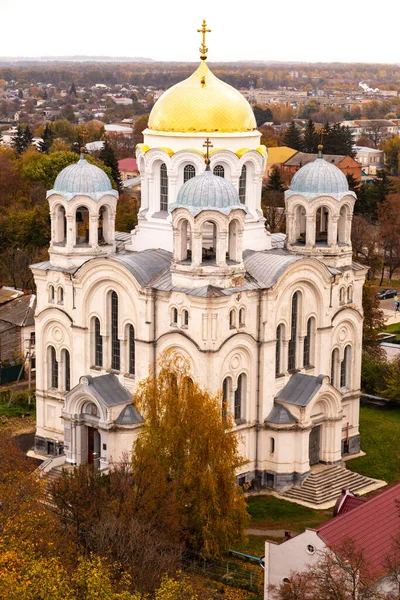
(202, 103)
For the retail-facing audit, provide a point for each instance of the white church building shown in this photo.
(273, 323)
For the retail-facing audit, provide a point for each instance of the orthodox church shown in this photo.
(273, 322)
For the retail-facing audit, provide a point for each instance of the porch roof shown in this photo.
(107, 389)
(280, 415)
(300, 389)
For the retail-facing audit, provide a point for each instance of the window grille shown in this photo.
(115, 344)
(163, 187)
(188, 172)
(219, 171)
(131, 350)
(242, 185)
(98, 344)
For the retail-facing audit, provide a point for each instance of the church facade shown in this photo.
(274, 323)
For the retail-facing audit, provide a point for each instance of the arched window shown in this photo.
(67, 370)
(174, 316)
(98, 344)
(272, 445)
(131, 350)
(51, 293)
(232, 319)
(219, 171)
(293, 333)
(226, 396)
(60, 295)
(278, 350)
(209, 241)
(334, 365)
(242, 185)
(163, 187)
(321, 226)
(185, 318)
(345, 367)
(241, 317)
(188, 172)
(240, 395)
(309, 341)
(341, 295)
(115, 344)
(82, 226)
(53, 368)
(350, 294)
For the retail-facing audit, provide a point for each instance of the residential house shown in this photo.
(17, 335)
(372, 524)
(128, 168)
(345, 163)
(371, 159)
(276, 157)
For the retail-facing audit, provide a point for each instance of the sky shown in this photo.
(289, 30)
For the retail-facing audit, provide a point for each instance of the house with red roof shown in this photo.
(128, 168)
(371, 524)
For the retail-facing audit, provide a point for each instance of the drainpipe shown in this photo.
(258, 381)
(154, 331)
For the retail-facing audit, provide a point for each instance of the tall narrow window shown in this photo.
(242, 185)
(163, 187)
(334, 360)
(98, 344)
(293, 334)
(309, 344)
(51, 293)
(278, 352)
(174, 316)
(115, 344)
(131, 350)
(345, 368)
(67, 371)
(241, 317)
(54, 368)
(226, 390)
(219, 171)
(232, 319)
(185, 318)
(188, 172)
(238, 404)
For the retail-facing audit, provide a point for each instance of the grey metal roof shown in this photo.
(164, 284)
(208, 191)
(81, 178)
(278, 240)
(129, 416)
(300, 389)
(19, 311)
(144, 265)
(319, 177)
(47, 266)
(267, 266)
(280, 416)
(107, 389)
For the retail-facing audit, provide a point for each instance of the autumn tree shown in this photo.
(389, 228)
(192, 448)
(391, 149)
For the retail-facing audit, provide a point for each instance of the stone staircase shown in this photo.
(324, 485)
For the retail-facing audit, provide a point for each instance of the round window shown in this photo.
(310, 549)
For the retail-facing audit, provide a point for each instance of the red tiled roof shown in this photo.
(372, 526)
(127, 164)
(351, 502)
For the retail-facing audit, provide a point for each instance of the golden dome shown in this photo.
(202, 103)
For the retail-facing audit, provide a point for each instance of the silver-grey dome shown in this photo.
(82, 178)
(208, 191)
(319, 177)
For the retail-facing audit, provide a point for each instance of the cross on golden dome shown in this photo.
(203, 48)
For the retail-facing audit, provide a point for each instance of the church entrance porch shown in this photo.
(93, 445)
(314, 445)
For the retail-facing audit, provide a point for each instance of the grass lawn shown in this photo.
(380, 440)
(268, 512)
(394, 328)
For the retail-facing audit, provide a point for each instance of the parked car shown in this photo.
(385, 294)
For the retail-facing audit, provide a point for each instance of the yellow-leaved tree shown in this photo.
(193, 452)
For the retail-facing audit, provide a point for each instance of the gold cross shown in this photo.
(203, 48)
(207, 145)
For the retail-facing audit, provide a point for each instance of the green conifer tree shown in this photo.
(47, 139)
(292, 137)
(275, 181)
(310, 138)
(107, 155)
(22, 139)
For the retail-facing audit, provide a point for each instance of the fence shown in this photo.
(229, 572)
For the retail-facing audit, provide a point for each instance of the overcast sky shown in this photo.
(289, 30)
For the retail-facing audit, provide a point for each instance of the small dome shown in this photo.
(208, 191)
(319, 177)
(82, 178)
(202, 103)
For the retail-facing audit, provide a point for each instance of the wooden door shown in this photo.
(314, 445)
